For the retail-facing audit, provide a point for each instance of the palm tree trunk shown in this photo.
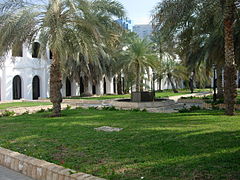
(160, 84)
(172, 84)
(230, 72)
(138, 79)
(55, 85)
(119, 84)
(219, 83)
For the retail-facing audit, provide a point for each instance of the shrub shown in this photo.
(41, 111)
(92, 108)
(68, 107)
(135, 110)
(191, 109)
(109, 108)
(25, 113)
(8, 113)
(49, 110)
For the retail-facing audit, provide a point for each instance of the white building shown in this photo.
(143, 30)
(25, 76)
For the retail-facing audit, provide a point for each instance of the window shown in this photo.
(50, 54)
(35, 50)
(17, 87)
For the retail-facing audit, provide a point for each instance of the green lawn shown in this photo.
(165, 93)
(22, 104)
(200, 145)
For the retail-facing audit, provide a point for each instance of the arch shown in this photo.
(35, 49)
(36, 87)
(104, 86)
(81, 86)
(94, 89)
(114, 85)
(68, 87)
(17, 87)
(50, 54)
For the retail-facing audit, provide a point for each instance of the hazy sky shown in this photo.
(139, 10)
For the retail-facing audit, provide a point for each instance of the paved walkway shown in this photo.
(200, 94)
(6, 174)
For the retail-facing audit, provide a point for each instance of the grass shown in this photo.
(22, 104)
(165, 93)
(199, 145)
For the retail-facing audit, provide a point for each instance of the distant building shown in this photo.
(143, 30)
(126, 24)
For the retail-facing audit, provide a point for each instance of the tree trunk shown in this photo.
(191, 82)
(219, 83)
(119, 84)
(172, 84)
(55, 85)
(138, 78)
(86, 87)
(160, 84)
(230, 72)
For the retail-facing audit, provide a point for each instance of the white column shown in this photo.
(99, 87)
(89, 89)
(75, 89)
(109, 84)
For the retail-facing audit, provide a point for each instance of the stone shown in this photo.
(108, 129)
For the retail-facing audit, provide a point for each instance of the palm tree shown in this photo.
(174, 71)
(70, 28)
(139, 57)
(196, 30)
(230, 71)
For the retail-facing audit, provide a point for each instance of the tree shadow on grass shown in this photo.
(154, 146)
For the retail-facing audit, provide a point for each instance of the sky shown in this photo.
(139, 10)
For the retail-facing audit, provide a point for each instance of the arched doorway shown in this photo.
(104, 86)
(81, 86)
(94, 89)
(114, 85)
(35, 49)
(36, 87)
(68, 87)
(17, 87)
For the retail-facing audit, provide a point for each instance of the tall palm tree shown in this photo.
(196, 30)
(230, 71)
(70, 28)
(139, 57)
(174, 71)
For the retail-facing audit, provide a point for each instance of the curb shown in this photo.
(39, 169)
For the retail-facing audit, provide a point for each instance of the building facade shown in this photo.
(143, 30)
(126, 24)
(25, 75)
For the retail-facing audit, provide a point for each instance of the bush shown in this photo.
(136, 110)
(41, 111)
(109, 108)
(8, 113)
(191, 109)
(25, 113)
(92, 108)
(68, 107)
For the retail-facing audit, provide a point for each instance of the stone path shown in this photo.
(202, 94)
(6, 174)
(171, 107)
